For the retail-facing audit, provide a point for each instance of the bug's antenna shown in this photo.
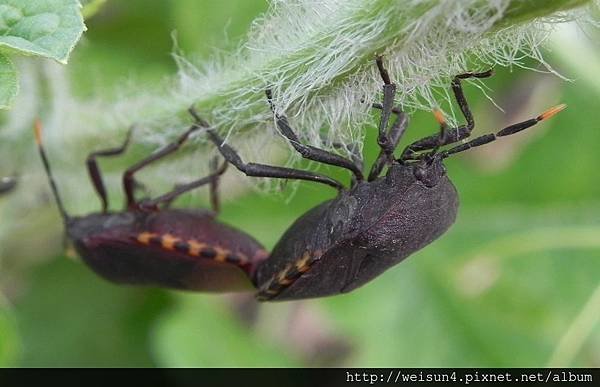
(509, 130)
(38, 139)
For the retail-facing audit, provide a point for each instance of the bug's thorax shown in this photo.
(80, 228)
(369, 201)
(428, 172)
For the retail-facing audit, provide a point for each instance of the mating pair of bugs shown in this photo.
(334, 248)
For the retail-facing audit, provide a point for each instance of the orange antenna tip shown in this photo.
(37, 128)
(439, 116)
(552, 111)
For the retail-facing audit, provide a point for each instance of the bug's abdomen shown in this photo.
(315, 274)
(130, 263)
(174, 249)
(311, 259)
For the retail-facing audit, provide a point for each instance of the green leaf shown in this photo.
(91, 7)
(201, 332)
(86, 321)
(47, 28)
(10, 344)
(496, 291)
(8, 82)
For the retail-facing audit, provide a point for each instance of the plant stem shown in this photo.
(309, 67)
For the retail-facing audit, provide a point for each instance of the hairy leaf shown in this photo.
(47, 28)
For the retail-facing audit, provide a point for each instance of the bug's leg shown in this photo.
(509, 130)
(462, 100)
(261, 170)
(215, 201)
(167, 198)
(389, 92)
(431, 142)
(394, 135)
(129, 183)
(310, 152)
(452, 135)
(94, 170)
(387, 140)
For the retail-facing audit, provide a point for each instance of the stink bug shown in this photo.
(345, 242)
(149, 245)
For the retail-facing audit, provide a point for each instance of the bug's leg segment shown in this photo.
(509, 130)
(310, 152)
(389, 92)
(179, 190)
(94, 170)
(452, 135)
(427, 143)
(261, 170)
(216, 172)
(462, 100)
(287, 276)
(395, 133)
(128, 177)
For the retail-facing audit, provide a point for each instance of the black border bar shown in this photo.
(281, 377)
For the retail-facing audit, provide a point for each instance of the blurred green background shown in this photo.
(516, 281)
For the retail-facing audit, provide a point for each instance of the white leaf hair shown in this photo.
(317, 57)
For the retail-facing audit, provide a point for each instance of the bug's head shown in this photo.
(429, 171)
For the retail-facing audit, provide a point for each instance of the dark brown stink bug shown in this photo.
(345, 242)
(149, 245)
